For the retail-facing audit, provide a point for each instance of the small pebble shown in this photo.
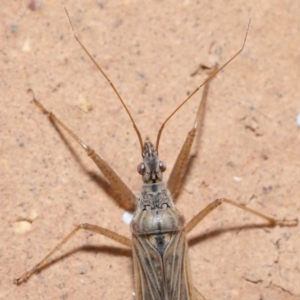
(127, 217)
(237, 179)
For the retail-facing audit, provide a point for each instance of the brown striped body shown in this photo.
(160, 253)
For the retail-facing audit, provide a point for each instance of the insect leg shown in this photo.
(46, 260)
(209, 208)
(125, 194)
(180, 165)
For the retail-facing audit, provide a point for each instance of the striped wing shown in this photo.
(161, 267)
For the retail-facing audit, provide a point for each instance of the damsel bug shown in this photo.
(159, 246)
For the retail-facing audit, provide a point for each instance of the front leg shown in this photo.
(126, 195)
(181, 163)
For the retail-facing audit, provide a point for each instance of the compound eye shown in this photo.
(141, 168)
(162, 166)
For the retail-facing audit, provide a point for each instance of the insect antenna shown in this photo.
(202, 84)
(109, 81)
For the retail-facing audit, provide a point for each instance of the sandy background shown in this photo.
(249, 148)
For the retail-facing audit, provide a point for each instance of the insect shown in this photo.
(159, 245)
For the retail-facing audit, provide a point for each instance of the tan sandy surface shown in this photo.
(249, 148)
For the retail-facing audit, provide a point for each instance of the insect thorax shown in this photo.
(156, 212)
